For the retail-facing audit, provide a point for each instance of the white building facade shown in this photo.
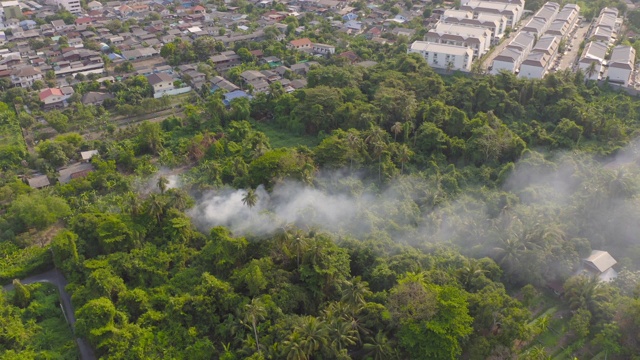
(443, 56)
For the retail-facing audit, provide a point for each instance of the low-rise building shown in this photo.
(323, 49)
(478, 39)
(514, 54)
(52, 98)
(443, 56)
(539, 60)
(621, 64)
(591, 61)
(512, 11)
(161, 83)
(25, 76)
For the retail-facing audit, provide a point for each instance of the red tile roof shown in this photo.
(50, 92)
(300, 42)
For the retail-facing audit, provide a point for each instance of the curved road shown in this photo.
(56, 278)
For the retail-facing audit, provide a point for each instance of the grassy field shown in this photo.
(280, 138)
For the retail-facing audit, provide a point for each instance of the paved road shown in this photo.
(56, 278)
(567, 61)
(498, 49)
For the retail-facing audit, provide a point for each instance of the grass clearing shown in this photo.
(281, 138)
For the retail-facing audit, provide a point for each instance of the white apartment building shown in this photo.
(621, 64)
(514, 54)
(594, 53)
(536, 65)
(478, 39)
(512, 11)
(443, 56)
(542, 19)
(495, 23)
(73, 6)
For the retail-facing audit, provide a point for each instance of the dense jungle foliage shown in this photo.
(469, 196)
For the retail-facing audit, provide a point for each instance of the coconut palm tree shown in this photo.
(314, 335)
(404, 154)
(293, 347)
(354, 293)
(377, 140)
(253, 313)
(354, 142)
(396, 129)
(378, 347)
(250, 198)
(591, 70)
(162, 184)
(341, 335)
(299, 243)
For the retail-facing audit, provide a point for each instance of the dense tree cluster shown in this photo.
(466, 190)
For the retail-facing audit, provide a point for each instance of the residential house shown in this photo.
(52, 98)
(86, 156)
(220, 83)
(537, 63)
(230, 96)
(443, 56)
(514, 54)
(25, 76)
(94, 5)
(74, 171)
(323, 49)
(58, 25)
(300, 44)
(38, 182)
(226, 60)
(592, 59)
(600, 264)
(139, 54)
(621, 64)
(161, 83)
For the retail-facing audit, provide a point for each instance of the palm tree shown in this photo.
(314, 335)
(341, 335)
(293, 347)
(404, 154)
(537, 353)
(355, 292)
(591, 70)
(543, 323)
(508, 253)
(299, 242)
(378, 347)
(377, 139)
(396, 129)
(354, 142)
(156, 207)
(255, 312)
(468, 273)
(250, 198)
(162, 184)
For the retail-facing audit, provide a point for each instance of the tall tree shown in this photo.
(250, 199)
(254, 312)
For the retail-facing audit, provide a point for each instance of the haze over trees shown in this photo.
(407, 232)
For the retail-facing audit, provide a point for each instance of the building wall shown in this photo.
(503, 65)
(585, 67)
(440, 60)
(73, 6)
(531, 72)
(619, 75)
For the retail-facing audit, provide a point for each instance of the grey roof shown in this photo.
(74, 171)
(158, 78)
(39, 181)
(600, 260)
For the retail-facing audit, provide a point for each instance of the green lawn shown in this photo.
(281, 138)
